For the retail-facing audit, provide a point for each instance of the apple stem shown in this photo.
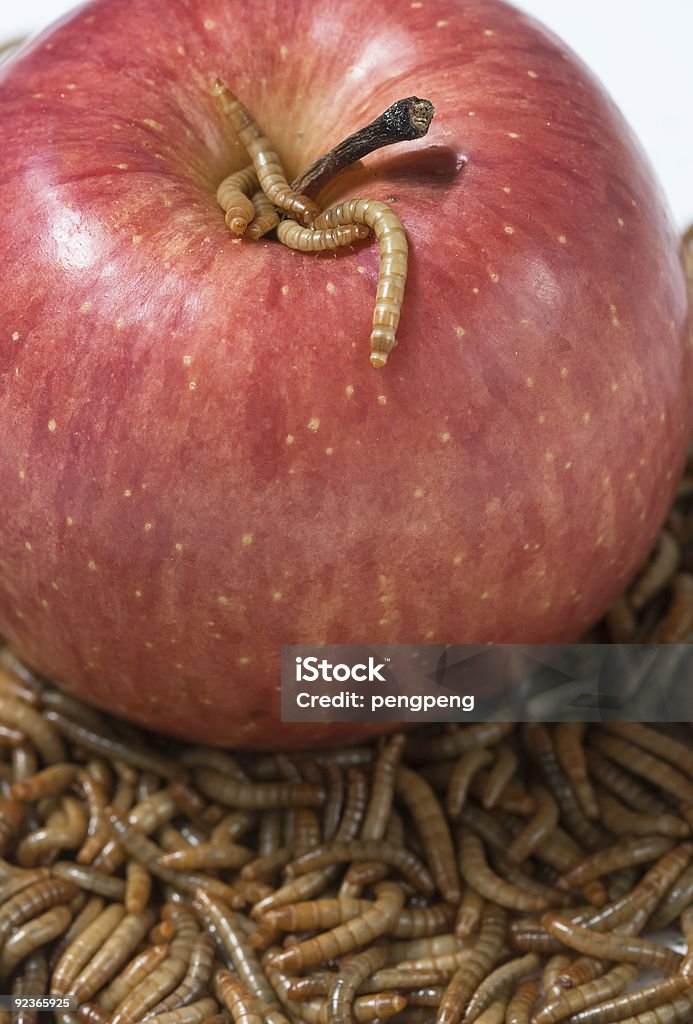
(405, 120)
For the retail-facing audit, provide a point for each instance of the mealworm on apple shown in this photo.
(359, 931)
(266, 217)
(574, 1000)
(521, 1003)
(393, 266)
(265, 161)
(476, 966)
(310, 239)
(233, 195)
(31, 936)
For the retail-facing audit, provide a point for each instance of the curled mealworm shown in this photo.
(261, 796)
(538, 828)
(269, 171)
(433, 828)
(487, 883)
(475, 967)
(227, 926)
(393, 266)
(500, 983)
(32, 935)
(368, 926)
(463, 771)
(233, 196)
(576, 999)
(611, 946)
(112, 954)
(571, 756)
(521, 1003)
(342, 990)
(637, 760)
(623, 853)
(193, 985)
(658, 573)
(266, 217)
(65, 829)
(19, 715)
(310, 239)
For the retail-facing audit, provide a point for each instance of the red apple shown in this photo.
(198, 462)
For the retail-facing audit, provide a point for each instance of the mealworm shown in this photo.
(450, 745)
(488, 884)
(192, 1013)
(91, 880)
(675, 901)
(650, 997)
(637, 760)
(342, 990)
(393, 266)
(574, 1000)
(110, 746)
(208, 855)
(233, 197)
(582, 971)
(664, 747)
(551, 974)
(499, 983)
(538, 828)
(19, 715)
(433, 829)
(379, 805)
(132, 974)
(461, 776)
(155, 810)
(13, 686)
(481, 960)
(232, 826)
(624, 853)
(195, 980)
(260, 796)
(266, 217)
(11, 820)
(678, 624)
(32, 982)
(469, 912)
(314, 915)
(428, 946)
(333, 853)
(515, 874)
(90, 1013)
(24, 762)
(571, 756)
(85, 944)
(310, 239)
(514, 799)
(245, 1007)
(686, 967)
(368, 926)
(35, 899)
(521, 1003)
(332, 808)
(218, 760)
(620, 819)
(269, 171)
(31, 936)
(138, 886)
(500, 774)
(149, 855)
(166, 975)
(658, 573)
(485, 825)
(623, 785)
(54, 779)
(611, 946)
(388, 978)
(65, 829)
(227, 927)
(267, 865)
(112, 954)
(540, 746)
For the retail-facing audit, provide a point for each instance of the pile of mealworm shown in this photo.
(490, 873)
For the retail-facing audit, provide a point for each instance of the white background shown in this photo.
(641, 50)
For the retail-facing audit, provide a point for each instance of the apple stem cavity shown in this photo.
(404, 121)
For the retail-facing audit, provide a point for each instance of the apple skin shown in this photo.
(198, 462)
